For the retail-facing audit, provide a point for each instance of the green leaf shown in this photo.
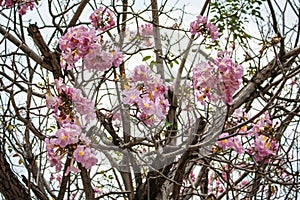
(146, 58)
(152, 64)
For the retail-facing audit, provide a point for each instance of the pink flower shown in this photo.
(146, 91)
(24, 6)
(99, 59)
(102, 19)
(98, 191)
(52, 102)
(67, 135)
(231, 142)
(146, 105)
(195, 26)
(72, 169)
(117, 57)
(131, 96)
(221, 80)
(213, 31)
(201, 26)
(231, 76)
(141, 73)
(75, 44)
(86, 156)
(265, 147)
(146, 30)
(204, 81)
(53, 158)
(264, 123)
(82, 105)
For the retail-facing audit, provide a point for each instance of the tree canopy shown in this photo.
(149, 99)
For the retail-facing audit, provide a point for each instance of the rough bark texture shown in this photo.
(10, 186)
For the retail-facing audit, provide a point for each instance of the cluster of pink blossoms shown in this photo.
(264, 145)
(201, 25)
(146, 33)
(100, 59)
(70, 99)
(23, 5)
(102, 19)
(146, 30)
(68, 138)
(81, 43)
(75, 44)
(219, 80)
(231, 143)
(143, 37)
(146, 92)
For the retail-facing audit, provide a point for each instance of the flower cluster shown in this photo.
(262, 132)
(231, 142)
(146, 33)
(68, 139)
(70, 99)
(146, 92)
(23, 5)
(219, 80)
(264, 145)
(201, 25)
(75, 44)
(99, 59)
(205, 81)
(230, 75)
(146, 30)
(81, 43)
(102, 19)
(86, 156)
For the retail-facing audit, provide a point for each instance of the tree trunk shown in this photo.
(10, 185)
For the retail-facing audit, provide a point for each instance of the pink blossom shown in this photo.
(116, 119)
(23, 5)
(221, 80)
(192, 176)
(264, 123)
(52, 102)
(264, 147)
(67, 135)
(204, 81)
(75, 44)
(72, 169)
(83, 105)
(86, 156)
(146, 91)
(102, 19)
(53, 158)
(98, 191)
(141, 73)
(213, 31)
(131, 96)
(99, 59)
(146, 30)
(231, 142)
(195, 26)
(201, 25)
(231, 76)
(146, 105)
(117, 57)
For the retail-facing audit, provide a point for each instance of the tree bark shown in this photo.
(10, 185)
